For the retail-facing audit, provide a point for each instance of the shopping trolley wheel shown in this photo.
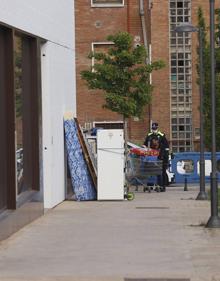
(130, 196)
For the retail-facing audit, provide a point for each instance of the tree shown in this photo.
(123, 76)
(218, 79)
(207, 80)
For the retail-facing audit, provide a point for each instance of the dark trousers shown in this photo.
(161, 179)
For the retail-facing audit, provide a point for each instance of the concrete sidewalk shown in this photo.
(158, 235)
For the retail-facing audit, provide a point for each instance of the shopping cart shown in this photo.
(143, 171)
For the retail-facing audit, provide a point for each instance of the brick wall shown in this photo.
(94, 24)
(160, 51)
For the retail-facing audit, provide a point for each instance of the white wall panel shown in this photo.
(50, 19)
(58, 64)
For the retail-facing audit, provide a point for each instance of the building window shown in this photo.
(107, 3)
(197, 133)
(100, 47)
(19, 116)
(7, 184)
(108, 124)
(180, 61)
(19, 140)
(179, 4)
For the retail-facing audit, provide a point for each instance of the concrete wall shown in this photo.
(52, 20)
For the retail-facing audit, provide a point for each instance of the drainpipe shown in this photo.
(144, 31)
(128, 16)
(143, 24)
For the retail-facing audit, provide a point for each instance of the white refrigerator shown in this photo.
(110, 164)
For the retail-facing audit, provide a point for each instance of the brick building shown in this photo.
(175, 102)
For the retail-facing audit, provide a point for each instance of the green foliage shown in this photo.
(18, 79)
(217, 79)
(207, 81)
(123, 75)
(202, 24)
(217, 34)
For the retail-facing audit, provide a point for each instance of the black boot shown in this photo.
(163, 189)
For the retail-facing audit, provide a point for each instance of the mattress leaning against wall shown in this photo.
(81, 180)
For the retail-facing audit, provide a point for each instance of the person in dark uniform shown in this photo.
(157, 140)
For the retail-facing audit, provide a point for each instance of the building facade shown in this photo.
(37, 87)
(175, 99)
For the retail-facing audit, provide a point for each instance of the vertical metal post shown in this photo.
(202, 193)
(214, 220)
(185, 184)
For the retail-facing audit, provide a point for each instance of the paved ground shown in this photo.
(158, 235)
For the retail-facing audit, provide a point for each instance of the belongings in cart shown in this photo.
(143, 170)
(144, 151)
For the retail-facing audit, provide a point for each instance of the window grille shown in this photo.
(180, 77)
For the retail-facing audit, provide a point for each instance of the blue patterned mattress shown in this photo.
(81, 180)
